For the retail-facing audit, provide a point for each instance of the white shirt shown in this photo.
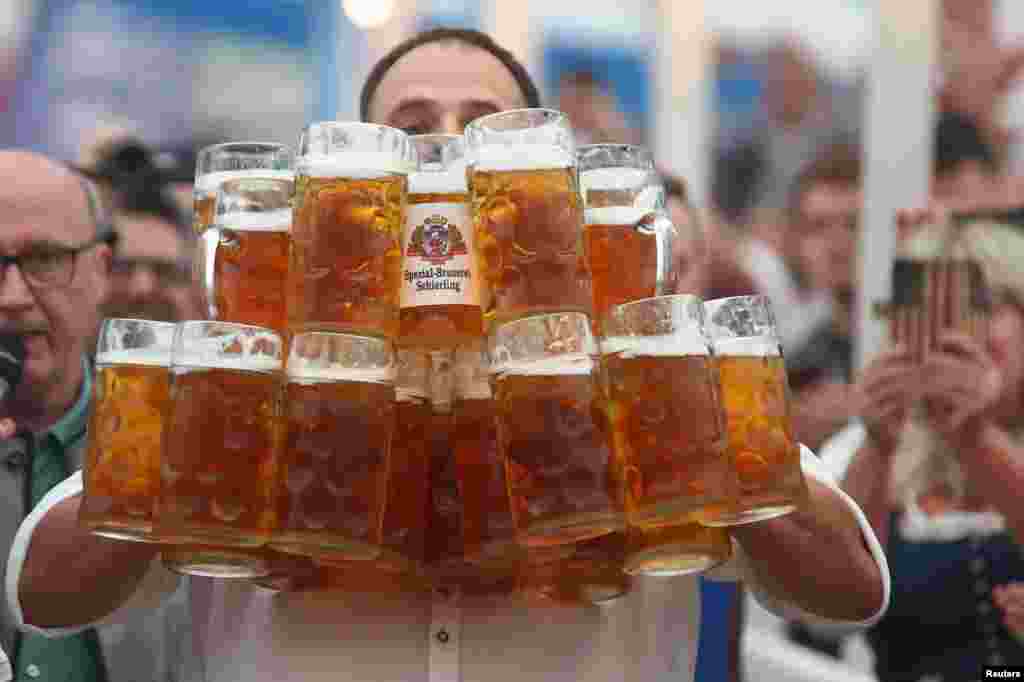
(248, 633)
(5, 667)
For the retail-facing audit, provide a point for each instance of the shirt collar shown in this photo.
(71, 426)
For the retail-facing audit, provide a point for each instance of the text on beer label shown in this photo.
(437, 256)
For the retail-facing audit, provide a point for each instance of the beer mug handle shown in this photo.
(664, 238)
(207, 255)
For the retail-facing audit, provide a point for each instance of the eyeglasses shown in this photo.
(51, 265)
(167, 272)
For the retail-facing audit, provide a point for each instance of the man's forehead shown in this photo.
(831, 197)
(449, 73)
(41, 209)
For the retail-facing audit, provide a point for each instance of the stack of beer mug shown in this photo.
(441, 361)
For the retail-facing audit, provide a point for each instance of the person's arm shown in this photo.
(61, 578)
(962, 387)
(994, 464)
(822, 558)
(797, 566)
(867, 482)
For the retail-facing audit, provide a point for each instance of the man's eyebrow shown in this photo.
(481, 105)
(413, 103)
(36, 244)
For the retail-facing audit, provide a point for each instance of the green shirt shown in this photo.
(75, 658)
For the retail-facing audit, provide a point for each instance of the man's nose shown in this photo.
(450, 123)
(143, 283)
(15, 292)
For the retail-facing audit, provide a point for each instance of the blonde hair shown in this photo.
(997, 248)
(923, 459)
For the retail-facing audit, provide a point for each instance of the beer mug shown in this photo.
(338, 410)
(230, 161)
(219, 478)
(628, 239)
(665, 414)
(764, 460)
(488, 532)
(250, 235)
(683, 549)
(346, 260)
(404, 525)
(558, 464)
(216, 165)
(440, 301)
(527, 215)
(121, 470)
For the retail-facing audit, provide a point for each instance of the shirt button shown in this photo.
(32, 670)
(995, 659)
(984, 608)
(977, 565)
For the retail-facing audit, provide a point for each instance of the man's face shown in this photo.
(43, 209)
(829, 224)
(150, 276)
(441, 87)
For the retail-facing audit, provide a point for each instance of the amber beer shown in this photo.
(338, 409)
(121, 470)
(764, 454)
(667, 428)
(251, 263)
(403, 538)
(488, 531)
(345, 271)
(624, 256)
(527, 215)
(219, 476)
(550, 430)
(765, 475)
(440, 302)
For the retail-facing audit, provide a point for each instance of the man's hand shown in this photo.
(1010, 600)
(959, 383)
(7, 428)
(885, 392)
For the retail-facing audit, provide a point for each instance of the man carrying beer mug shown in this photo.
(56, 246)
(815, 561)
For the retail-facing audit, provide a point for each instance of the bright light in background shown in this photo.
(369, 13)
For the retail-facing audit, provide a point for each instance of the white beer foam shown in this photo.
(211, 182)
(507, 157)
(614, 215)
(575, 364)
(313, 370)
(747, 346)
(209, 353)
(270, 221)
(450, 181)
(471, 369)
(355, 165)
(136, 356)
(603, 179)
(668, 346)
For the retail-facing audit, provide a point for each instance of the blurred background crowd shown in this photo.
(129, 90)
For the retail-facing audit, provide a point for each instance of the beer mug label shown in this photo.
(437, 265)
